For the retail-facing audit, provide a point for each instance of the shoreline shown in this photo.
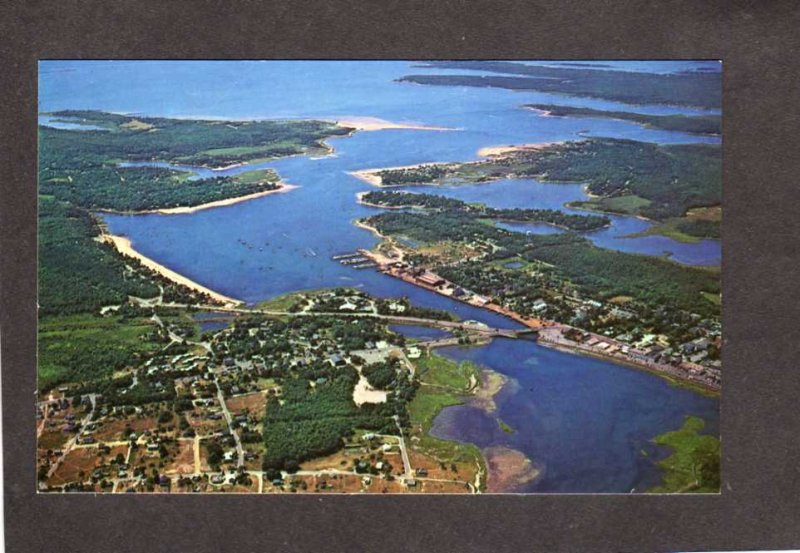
(183, 210)
(672, 379)
(370, 176)
(501, 151)
(124, 246)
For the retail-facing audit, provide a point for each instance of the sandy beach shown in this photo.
(222, 203)
(376, 124)
(124, 246)
(496, 151)
(210, 205)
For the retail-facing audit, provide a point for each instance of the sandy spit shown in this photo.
(376, 124)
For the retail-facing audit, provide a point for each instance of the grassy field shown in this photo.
(694, 463)
(444, 383)
(86, 347)
(628, 205)
(438, 371)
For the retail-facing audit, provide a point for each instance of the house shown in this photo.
(422, 472)
(217, 479)
(621, 313)
(411, 483)
(539, 305)
(336, 360)
(414, 352)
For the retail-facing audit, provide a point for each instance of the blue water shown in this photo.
(587, 420)
(574, 417)
(420, 332)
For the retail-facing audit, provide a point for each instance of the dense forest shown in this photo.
(194, 142)
(672, 178)
(76, 272)
(310, 422)
(84, 166)
(442, 203)
(698, 124)
(145, 188)
(703, 89)
(597, 271)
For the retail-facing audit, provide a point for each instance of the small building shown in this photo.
(336, 360)
(430, 279)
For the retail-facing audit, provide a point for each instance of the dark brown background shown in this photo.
(758, 41)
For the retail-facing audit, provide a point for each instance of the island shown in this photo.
(697, 88)
(679, 186)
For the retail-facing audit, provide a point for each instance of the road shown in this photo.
(229, 419)
(73, 441)
(409, 474)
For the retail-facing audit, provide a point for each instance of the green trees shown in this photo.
(76, 273)
(311, 422)
(442, 203)
(596, 271)
(701, 124)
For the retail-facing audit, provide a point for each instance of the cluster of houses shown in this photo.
(651, 350)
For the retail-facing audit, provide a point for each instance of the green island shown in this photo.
(660, 182)
(702, 89)
(699, 124)
(393, 199)
(694, 463)
(87, 167)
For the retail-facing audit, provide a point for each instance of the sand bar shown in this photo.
(124, 246)
(376, 124)
(496, 151)
(508, 469)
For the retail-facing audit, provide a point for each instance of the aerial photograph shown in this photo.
(379, 277)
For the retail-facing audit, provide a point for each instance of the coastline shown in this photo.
(124, 246)
(183, 210)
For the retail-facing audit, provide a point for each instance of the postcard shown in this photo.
(379, 277)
